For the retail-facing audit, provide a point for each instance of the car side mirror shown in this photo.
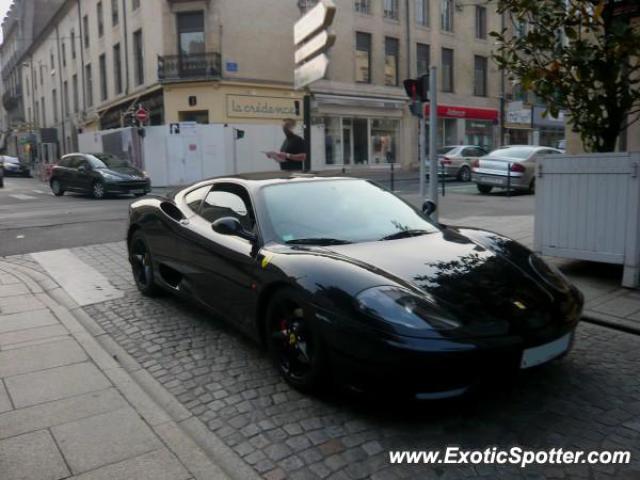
(428, 207)
(232, 226)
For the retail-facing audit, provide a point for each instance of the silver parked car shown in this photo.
(515, 161)
(456, 160)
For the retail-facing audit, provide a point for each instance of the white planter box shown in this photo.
(588, 208)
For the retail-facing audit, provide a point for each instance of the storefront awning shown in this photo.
(356, 101)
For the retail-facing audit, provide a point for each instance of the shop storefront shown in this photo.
(359, 131)
(548, 130)
(518, 124)
(467, 125)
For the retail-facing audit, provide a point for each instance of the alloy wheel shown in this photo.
(98, 190)
(465, 174)
(141, 264)
(292, 342)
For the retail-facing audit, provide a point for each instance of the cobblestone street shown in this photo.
(589, 401)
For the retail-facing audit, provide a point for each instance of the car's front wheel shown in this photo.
(484, 189)
(97, 190)
(56, 188)
(296, 348)
(142, 266)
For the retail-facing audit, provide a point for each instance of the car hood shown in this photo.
(125, 173)
(481, 288)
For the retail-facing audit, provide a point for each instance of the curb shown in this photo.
(609, 321)
(198, 449)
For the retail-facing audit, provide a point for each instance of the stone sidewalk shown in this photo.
(69, 409)
(606, 301)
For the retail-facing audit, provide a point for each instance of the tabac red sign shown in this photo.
(446, 111)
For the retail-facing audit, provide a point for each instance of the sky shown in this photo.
(4, 8)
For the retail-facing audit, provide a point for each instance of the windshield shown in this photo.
(11, 160)
(342, 210)
(107, 160)
(513, 152)
(445, 150)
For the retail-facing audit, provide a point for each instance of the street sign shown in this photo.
(142, 114)
(317, 44)
(311, 71)
(318, 18)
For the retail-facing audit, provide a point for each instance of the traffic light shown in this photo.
(417, 88)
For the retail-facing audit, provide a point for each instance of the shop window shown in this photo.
(333, 150)
(198, 116)
(478, 132)
(384, 140)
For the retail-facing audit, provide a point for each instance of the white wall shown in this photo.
(204, 151)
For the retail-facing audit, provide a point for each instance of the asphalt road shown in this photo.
(33, 220)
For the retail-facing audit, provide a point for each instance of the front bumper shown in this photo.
(128, 187)
(430, 368)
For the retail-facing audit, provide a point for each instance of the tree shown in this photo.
(581, 56)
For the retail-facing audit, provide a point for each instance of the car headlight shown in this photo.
(403, 308)
(550, 274)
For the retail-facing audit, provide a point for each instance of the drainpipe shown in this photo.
(82, 79)
(502, 88)
(126, 46)
(62, 93)
(408, 17)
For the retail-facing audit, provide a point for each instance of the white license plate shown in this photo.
(497, 181)
(543, 353)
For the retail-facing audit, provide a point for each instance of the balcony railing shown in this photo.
(200, 66)
(11, 99)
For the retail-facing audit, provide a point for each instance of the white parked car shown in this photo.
(513, 165)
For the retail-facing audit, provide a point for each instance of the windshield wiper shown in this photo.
(405, 234)
(317, 241)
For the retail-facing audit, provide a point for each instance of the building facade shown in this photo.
(94, 62)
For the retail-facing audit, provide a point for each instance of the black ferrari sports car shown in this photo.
(342, 279)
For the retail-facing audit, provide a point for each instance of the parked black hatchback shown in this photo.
(99, 174)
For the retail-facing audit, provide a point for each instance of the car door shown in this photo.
(82, 174)
(62, 172)
(223, 268)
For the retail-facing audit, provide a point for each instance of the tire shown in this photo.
(97, 190)
(56, 188)
(294, 344)
(464, 174)
(532, 187)
(484, 189)
(142, 266)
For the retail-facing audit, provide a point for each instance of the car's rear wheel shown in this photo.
(142, 266)
(464, 175)
(97, 190)
(484, 189)
(56, 188)
(296, 348)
